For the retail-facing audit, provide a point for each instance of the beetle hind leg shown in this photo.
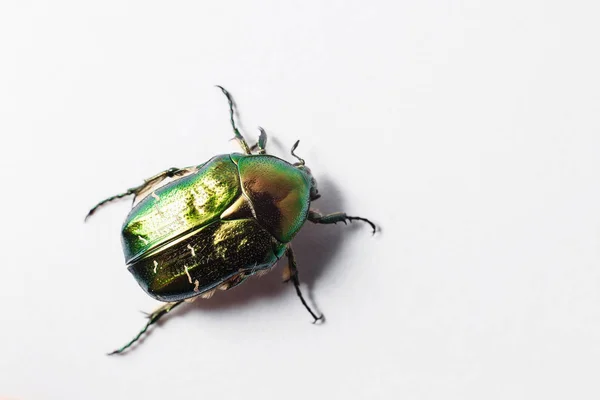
(292, 269)
(152, 319)
(334, 218)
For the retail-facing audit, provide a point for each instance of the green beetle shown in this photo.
(199, 229)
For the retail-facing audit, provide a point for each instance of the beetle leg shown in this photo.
(236, 132)
(129, 192)
(334, 218)
(294, 278)
(169, 173)
(152, 319)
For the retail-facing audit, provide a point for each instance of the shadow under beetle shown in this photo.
(194, 230)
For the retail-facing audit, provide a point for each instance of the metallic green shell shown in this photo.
(221, 254)
(179, 207)
(213, 228)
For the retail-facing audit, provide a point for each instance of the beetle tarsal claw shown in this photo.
(373, 226)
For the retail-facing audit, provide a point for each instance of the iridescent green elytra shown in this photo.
(198, 229)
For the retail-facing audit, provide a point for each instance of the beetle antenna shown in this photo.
(301, 161)
(262, 141)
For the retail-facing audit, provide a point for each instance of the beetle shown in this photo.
(194, 230)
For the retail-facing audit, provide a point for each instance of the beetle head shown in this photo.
(314, 191)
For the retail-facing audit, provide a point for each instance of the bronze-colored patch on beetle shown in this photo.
(287, 273)
(240, 209)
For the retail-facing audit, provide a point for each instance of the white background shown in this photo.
(468, 130)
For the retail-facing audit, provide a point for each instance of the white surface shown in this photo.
(468, 130)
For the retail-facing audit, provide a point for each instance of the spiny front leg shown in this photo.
(236, 132)
(334, 218)
(293, 276)
(152, 319)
